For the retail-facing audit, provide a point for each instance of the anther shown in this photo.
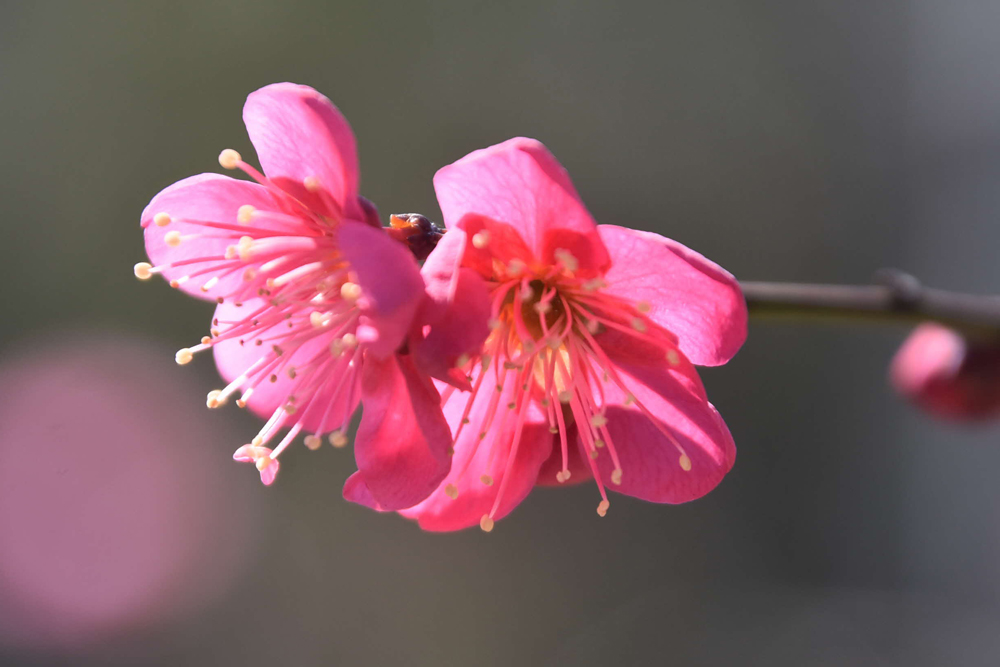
(263, 463)
(183, 356)
(487, 480)
(481, 239)
(451, 491)
(515, 266)
(350, 291)
(598, 420)
(462, 360)
(486, 523)
(565, 396)
(616, 476)
(685, 462)
(229, 159)
(563, 476)
(313, 442)
(161, 219)
(638, 324)
(244, 214)
(566, 258)
(143, 271)
(602, 507)
(312, 183)
(643, 306)
(598, 443)
(338, 439)
(215, 399)
(542, 307)
(673, 357)
(593, 453)
(172, 239)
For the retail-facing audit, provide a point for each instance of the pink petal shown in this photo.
(206, 198)
(268, 474)
(458, 329)
(442, 513)
(650, 462)
(233, 359)
(299, 134)
(697, 300)
(391, 286)
(356, 491)
(520, 183)
(402, 443)
(948, 375)
(505, 244)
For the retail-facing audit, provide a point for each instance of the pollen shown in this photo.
(673, 357)
(563, 476)
(143, 271)
(350, 291)
(598, 421)
(486, 523)
(184, 356)
(229, 159)
(338, 439)
(161, 219)
(451, 491)
(616, 476)
(602, 508)
(487, 480)
(638, 324)
(566, 258)
(565, 396)
(685, 462)
(172, 239)
(215, 399)
(244, 214)
(312, 183)
(481, 239)
(263, 463)
(313, 442)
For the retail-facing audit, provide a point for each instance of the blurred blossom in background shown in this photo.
(785, 140)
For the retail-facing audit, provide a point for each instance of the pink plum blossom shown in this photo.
(585, 370)
(947, 374)
(313, 298)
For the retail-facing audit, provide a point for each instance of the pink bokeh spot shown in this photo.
(115, 514)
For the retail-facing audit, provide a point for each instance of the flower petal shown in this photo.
(356, 491)
(391, 286)
(650, 461)
(520, 183)
(457, 329)
(335, 393)
(697, 300)
(298, 134)
(473, 458)
(402, 443)
(205, 198)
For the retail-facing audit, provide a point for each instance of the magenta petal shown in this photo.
(333, 403)
(695, 299)
(298, 134)
(402, 443)
(458, 329)
(205, 198)
(473, 458)
(391, 286)
(356, 491)
(520, 183)
(652, 466)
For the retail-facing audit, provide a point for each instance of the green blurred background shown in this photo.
(785, 140)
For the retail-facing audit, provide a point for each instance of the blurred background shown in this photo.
(785, 140)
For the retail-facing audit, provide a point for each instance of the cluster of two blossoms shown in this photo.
(533, 346)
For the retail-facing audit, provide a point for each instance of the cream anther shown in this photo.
(515, 267)
(312, 183)
(673, 357)
(602, 507)
(563, 476)
(316, 319)
(616, 476)
(338, 439)
(451, 491)
(206, 340)
(462, 360)
(257, 441)
(685, 462)
(593, 326)
(643, 306)
(229, 159)
(598, 420)
(487, 480)
(183, 356)
(481, 239)
(593, 454)
(565, 396)
(350, 341)
(638, 324)
(486, 523)
(215, 399)
(249, 274)
(161, 219)
(566, 258)
(244, 214)
(143, 271)
(594, 284)
(350, 291)
(543, 307)
(172, 239)
(598, 443)
(263, 463)
(244, 247)
(313, 442)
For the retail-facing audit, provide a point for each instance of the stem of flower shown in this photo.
(895, 297)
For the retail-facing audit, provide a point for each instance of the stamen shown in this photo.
(616, 476)
(172, 239)
(486, 523)
(244, 214)
(143, 271)
(230, 159)
(481, 239)
(313, 442)
(685, 462)
(338, 439)
(350, 291)
(602, 507)
(451, 491)
(161, 219)
(487, 480)
(673, 357)
(184, 356)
